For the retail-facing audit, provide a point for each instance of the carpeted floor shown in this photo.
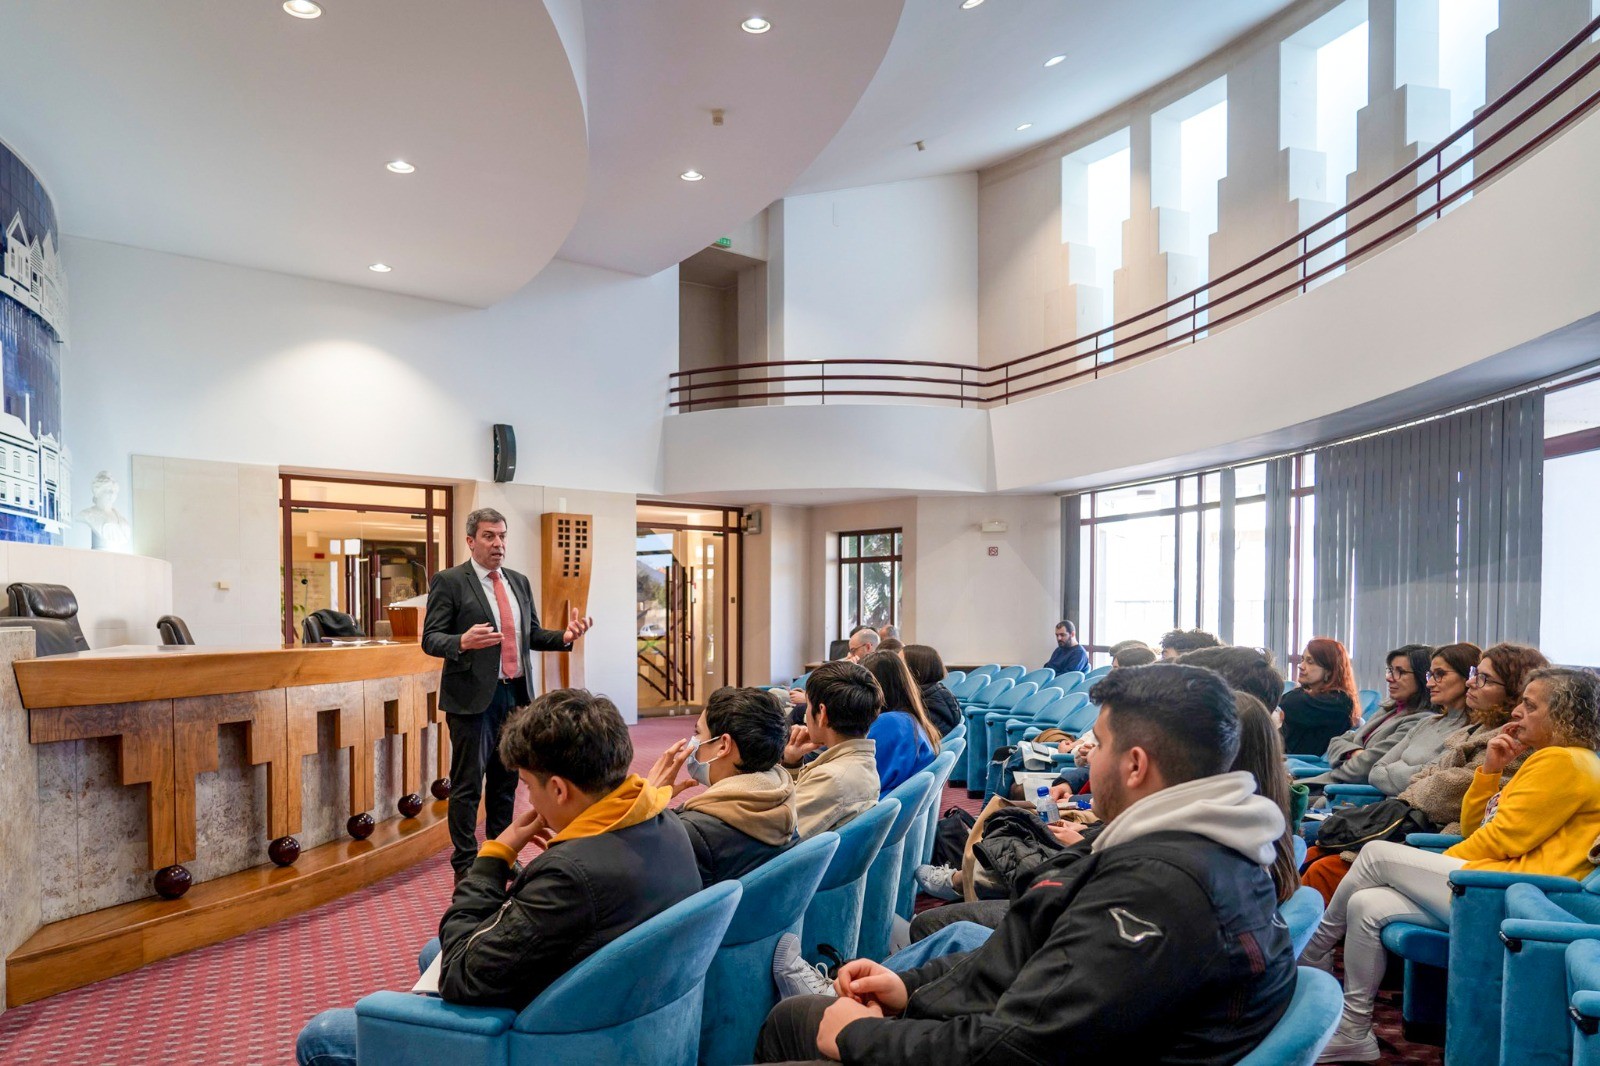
(243, 1001)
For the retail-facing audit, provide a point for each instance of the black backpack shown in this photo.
(1351, 828)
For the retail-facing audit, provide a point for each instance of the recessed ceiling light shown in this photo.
(302, 9)
(755, 25)
(400, 166)
(968, 5)
(691, 175)
(380, 268)
(1025, 126)
(1055, 61)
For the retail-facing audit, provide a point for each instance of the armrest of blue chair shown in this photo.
(1514, 931)
(1064, 758)
(1354, 795)
(1433, 841)
(1463, 880)
(402, 1027)
(1583, 977)
(1031, 732)
(1297, 771)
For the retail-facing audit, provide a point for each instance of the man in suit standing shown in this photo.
(482, 623)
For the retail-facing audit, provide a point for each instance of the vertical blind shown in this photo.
(1432, 533)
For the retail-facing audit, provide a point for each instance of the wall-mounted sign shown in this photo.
(35, 465)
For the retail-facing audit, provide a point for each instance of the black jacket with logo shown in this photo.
(1165, 949)
(502, 947)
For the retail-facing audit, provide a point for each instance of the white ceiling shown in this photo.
(227, 130)
(656, 70)
(962, 81)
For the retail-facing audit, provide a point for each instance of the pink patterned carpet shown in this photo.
(243, 1001)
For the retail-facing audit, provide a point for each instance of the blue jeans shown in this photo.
(953, 939)
(329, 1039)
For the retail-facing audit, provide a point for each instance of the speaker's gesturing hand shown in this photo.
(482, 635)
(577, 626)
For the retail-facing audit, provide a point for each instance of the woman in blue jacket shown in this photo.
(906, 740)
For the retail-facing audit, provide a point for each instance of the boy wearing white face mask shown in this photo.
(747, 813)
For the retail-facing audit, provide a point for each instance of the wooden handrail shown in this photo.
(999, 382)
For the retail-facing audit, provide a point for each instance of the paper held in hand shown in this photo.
(428, 983)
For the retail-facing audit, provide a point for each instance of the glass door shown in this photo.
(689, 621)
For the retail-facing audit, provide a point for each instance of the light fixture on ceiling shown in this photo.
(380, 268)
(400, 166)
(1025, 126)
(968, 5)
(302, 9)
(1055, 61)
(757, 24)
(691, 175)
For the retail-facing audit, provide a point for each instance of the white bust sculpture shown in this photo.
(109, 527)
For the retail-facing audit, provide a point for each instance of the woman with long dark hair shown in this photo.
(1325, 703)
(927, 670)
(906, 740)
(1261, 753)
(1353, 754)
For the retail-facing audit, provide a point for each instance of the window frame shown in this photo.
(895, 557)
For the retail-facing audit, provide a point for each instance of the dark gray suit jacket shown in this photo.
(456, 603)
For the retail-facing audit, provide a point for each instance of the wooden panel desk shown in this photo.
(164, 709)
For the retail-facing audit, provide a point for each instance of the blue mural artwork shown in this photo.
(35, 465)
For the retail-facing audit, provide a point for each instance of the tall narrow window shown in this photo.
(1189, 155)
(1570, 583)
(1094, 204)
(1463, 27)
(869, 579)
(1324, 87)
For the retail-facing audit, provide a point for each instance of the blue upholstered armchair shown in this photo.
(1002, 710)
(739, 989)
(1540, 922)
(958, 773)
(1306, 1027)
(1301, 912)
(883, 875)
(619, 1006)
(1583, 986)
(834, 915)
(919, 842)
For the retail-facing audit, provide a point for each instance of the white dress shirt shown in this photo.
(514, 632)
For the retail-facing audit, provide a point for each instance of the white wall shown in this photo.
(777, 575)
(189, 359)
(887, 271)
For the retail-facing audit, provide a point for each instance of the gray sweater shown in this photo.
(1421, 745)
(1370, 741)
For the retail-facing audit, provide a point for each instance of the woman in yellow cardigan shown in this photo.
(1543, 822)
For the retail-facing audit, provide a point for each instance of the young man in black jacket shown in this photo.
(611, 859)
(1163, 945)
(747, 813)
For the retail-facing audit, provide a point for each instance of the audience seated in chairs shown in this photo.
(927, 670)
(611, 860)
(1488, 691)
(747, 814)
(842, 702)
(1446, 685)
(1182, 641)
(1175, 951)
(1133, 654)
(1544, 821)
(906, 741)
(1325, 704)
(1350, 756)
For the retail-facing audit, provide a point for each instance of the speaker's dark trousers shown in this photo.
(477, 773)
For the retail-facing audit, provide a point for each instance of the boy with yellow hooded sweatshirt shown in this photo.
(610, 861)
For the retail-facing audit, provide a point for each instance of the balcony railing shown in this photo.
(1406, 200)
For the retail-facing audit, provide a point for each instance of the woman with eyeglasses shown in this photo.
(1324, 705)
(1543, 821)
(1446, 685)
(1494, 687)
(1352, 755)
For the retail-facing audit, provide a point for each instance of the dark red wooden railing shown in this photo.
(1221, 301)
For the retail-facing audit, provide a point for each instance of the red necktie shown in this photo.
(510, 653)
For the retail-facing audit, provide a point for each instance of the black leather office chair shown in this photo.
(48, 603)
(319, 625)
(173, 630)
(52, 636)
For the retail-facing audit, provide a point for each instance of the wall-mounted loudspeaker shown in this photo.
(505, 452)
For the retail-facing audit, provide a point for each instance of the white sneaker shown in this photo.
(1352, 1042)
(936, 881)
(793, 975)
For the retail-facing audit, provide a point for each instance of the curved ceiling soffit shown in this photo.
(656, 71)
(236, 133)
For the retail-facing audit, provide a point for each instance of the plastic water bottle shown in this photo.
(1048, 811)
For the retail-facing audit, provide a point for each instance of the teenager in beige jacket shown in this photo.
(842, 702)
